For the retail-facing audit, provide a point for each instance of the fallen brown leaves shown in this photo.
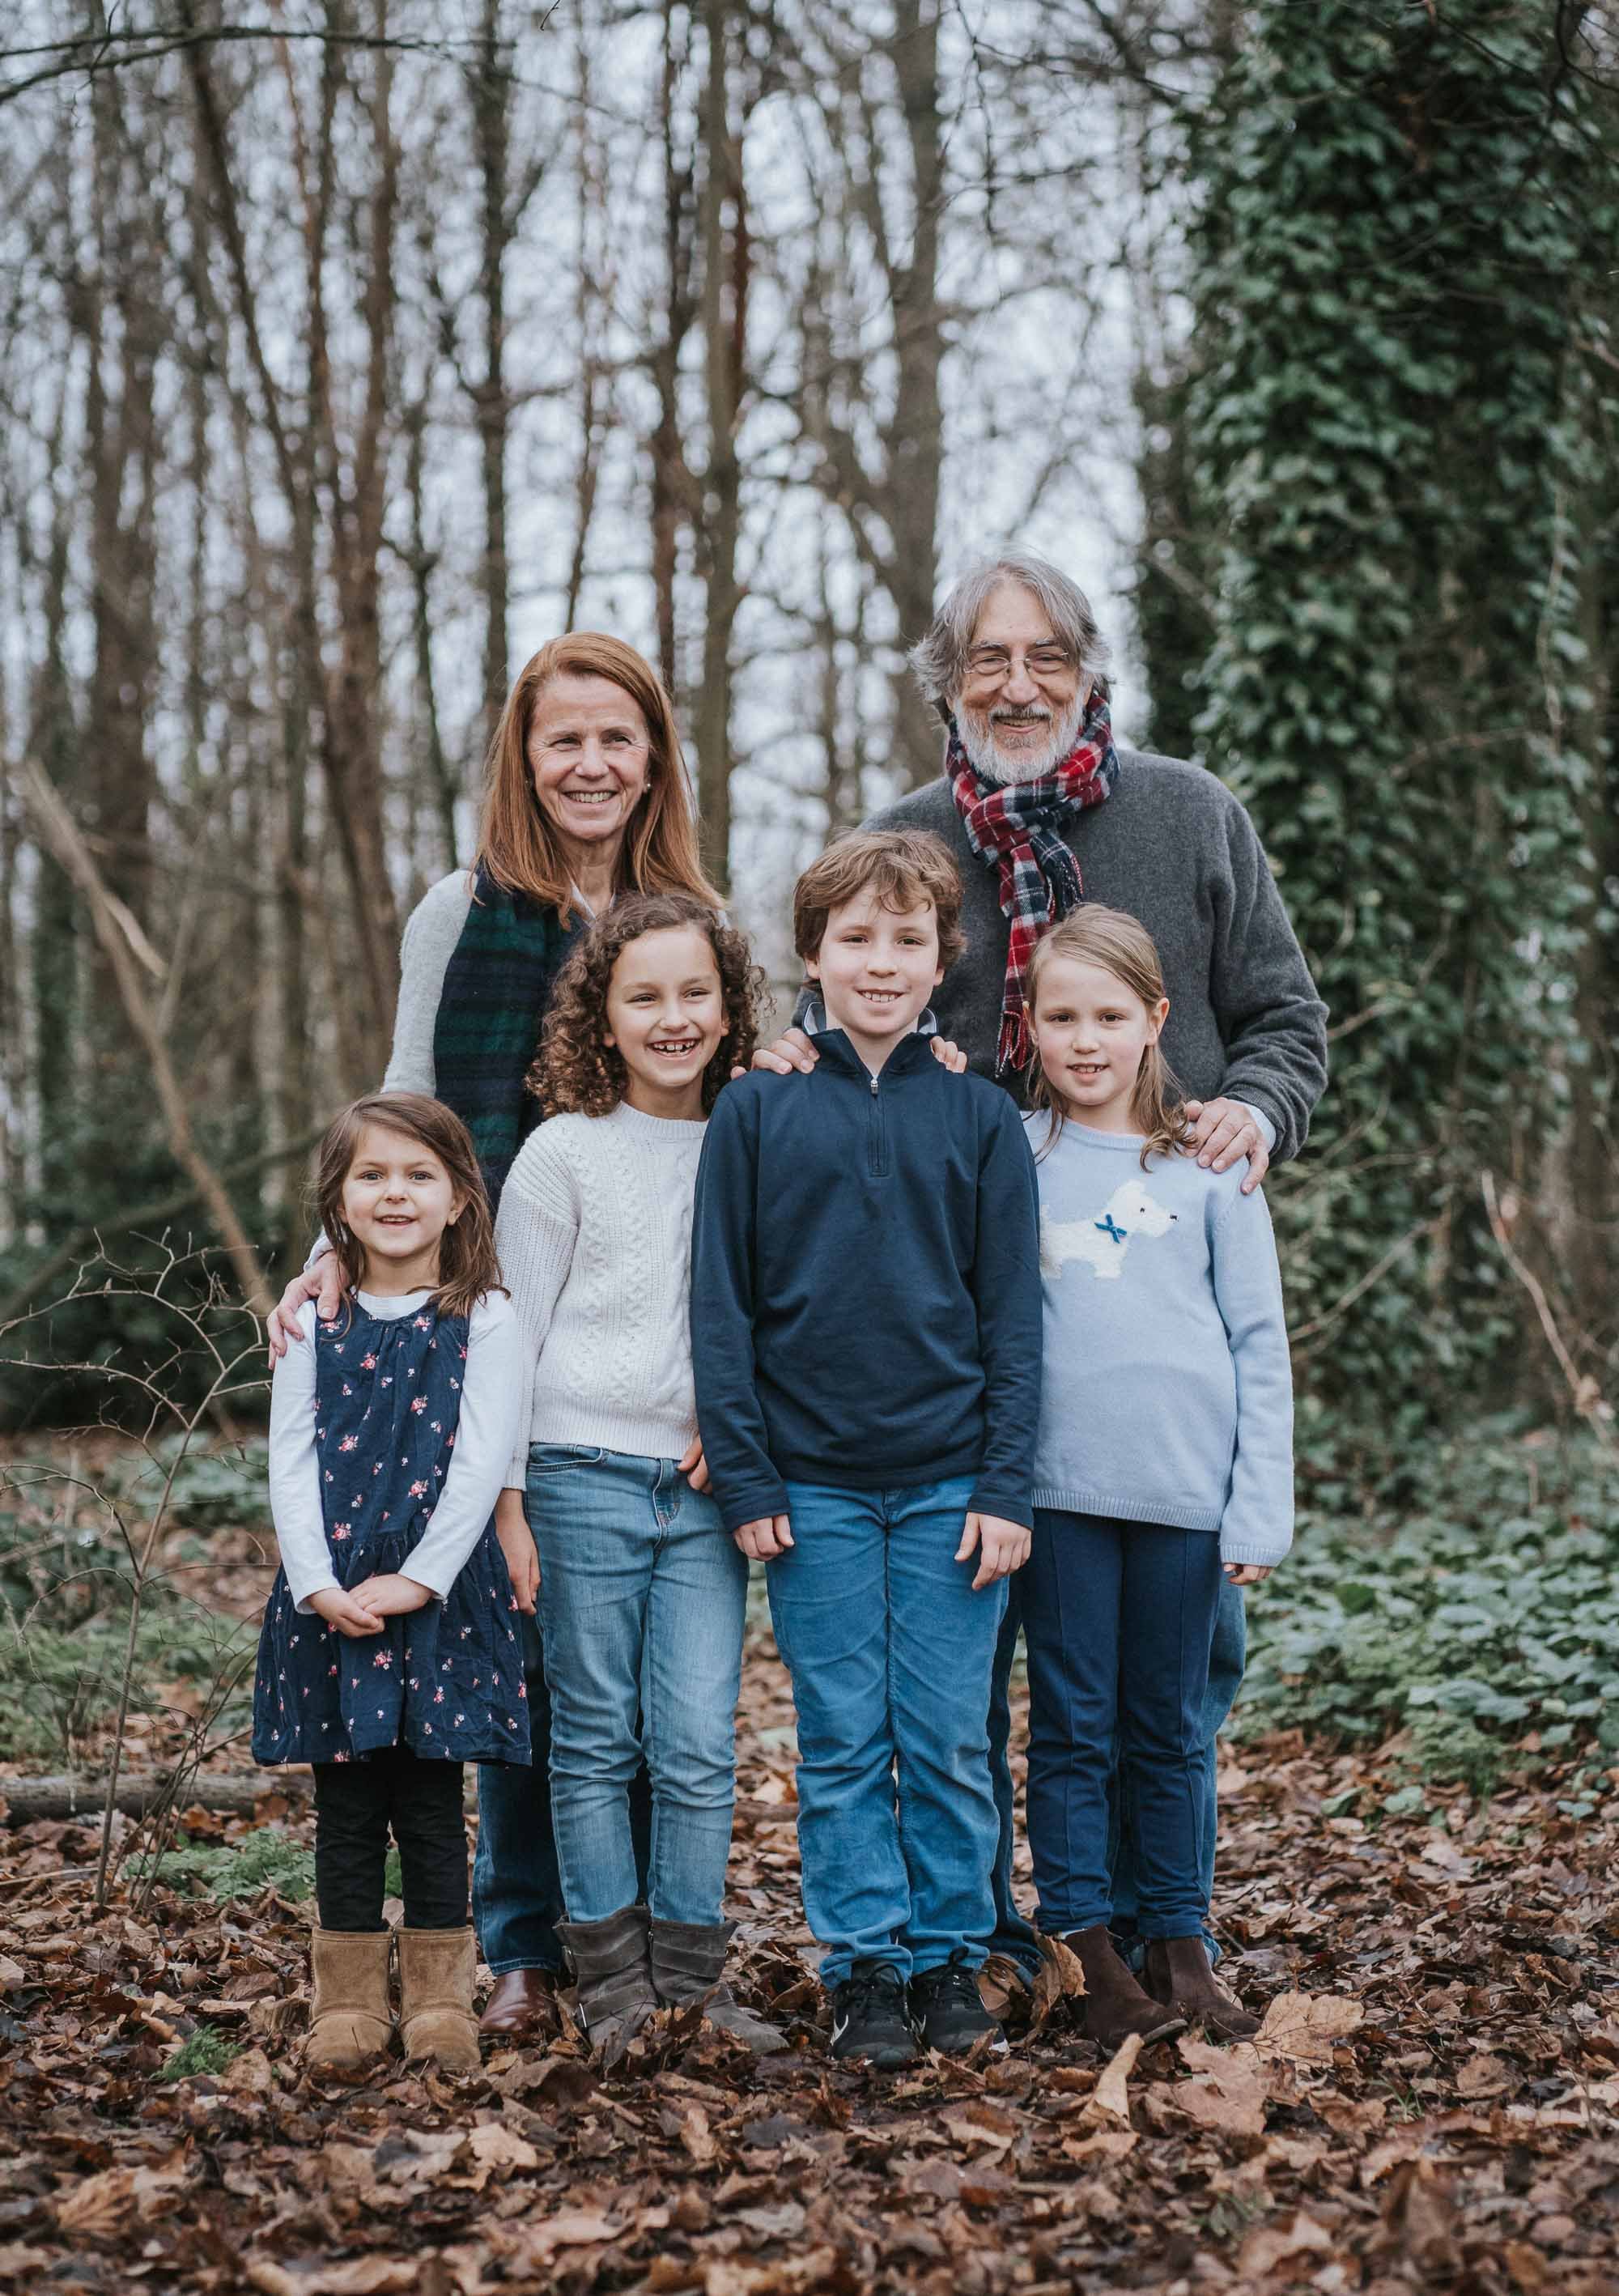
(1430, 2102)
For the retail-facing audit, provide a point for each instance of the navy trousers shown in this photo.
(1120, 1619)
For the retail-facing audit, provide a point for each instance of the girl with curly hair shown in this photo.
(607, 1517)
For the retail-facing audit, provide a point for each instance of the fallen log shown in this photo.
(231, 1793)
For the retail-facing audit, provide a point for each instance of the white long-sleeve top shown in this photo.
(493, 1395)
(594, 1239)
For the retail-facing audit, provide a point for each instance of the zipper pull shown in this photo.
(874, 1087)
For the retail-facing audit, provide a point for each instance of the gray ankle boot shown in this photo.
(609, 1962)
(687, 1960)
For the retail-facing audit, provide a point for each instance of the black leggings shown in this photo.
(355, 1804)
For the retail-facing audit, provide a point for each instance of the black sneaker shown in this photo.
(949, 2014)
(869, 2020)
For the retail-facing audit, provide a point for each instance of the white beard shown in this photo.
(988, 760)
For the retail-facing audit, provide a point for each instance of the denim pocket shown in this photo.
(558, 1458)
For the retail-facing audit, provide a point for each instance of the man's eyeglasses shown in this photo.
(990, 664)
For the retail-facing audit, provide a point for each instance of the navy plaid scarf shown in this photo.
(496, 988)
(1018, 828)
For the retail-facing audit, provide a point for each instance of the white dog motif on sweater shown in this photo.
(1103, 1242)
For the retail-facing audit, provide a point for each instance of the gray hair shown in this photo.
(939, 660)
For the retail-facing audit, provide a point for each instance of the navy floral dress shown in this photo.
(446, 1680)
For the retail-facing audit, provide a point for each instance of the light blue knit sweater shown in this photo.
(1167, 1395)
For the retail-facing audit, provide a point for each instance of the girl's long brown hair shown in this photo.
(516, 843)
(577, 1069)
(1120, 945)
(468, 1267)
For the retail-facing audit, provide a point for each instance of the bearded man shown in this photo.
(1042, 809)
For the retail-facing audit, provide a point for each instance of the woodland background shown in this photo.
(348, 349)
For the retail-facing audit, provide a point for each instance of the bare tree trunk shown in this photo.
(593, 296)
(492, 144)
(353, 747)
(724, 236)
(440, 780)
(57, 981)
(916, 436)
(671, 487)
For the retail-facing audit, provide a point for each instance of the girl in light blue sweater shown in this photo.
(1164, 1456)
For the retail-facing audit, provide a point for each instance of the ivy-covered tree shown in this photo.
(1392, 442)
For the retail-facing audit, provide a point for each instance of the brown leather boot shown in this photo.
(522, 2007)
(1114, 2005)
(349, 2016)
(1178, 1974)
(437, 1968)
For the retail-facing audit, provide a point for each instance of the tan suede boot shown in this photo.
(1179, 1975)
(1115, 2006)
(437, 1969)
(349, 2016)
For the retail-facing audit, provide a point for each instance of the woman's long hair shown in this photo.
(577, 1069)
(1118, 944)
(516, 843)
(468, 1267)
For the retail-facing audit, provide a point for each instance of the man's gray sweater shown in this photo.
(1173, 848)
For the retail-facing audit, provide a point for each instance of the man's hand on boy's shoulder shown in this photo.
(1002, 1547)
(761, 1541)
(793, 1050)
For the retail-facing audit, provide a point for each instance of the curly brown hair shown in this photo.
(577, 1070)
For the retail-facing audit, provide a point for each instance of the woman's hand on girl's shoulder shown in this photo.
(1248, 1574)
(323, 1283)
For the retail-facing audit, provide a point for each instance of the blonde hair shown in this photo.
(516, 842)
(468, 1267)
(1119, 945)
(906, 868)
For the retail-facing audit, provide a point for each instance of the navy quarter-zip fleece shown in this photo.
(865, 1284)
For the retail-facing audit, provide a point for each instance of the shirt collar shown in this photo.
(815, 1021)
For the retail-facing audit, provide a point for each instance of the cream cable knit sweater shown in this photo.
(594, 1238)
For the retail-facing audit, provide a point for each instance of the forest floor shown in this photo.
(1432, 2101)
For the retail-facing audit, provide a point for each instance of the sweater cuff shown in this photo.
(1244, 1547)
(302, 1595)
(1266, 1123)
(752, 1504)
(1009, 1503)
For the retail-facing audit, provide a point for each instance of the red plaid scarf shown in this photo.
(1018, 826)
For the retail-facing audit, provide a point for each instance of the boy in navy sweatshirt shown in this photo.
(866, 1339)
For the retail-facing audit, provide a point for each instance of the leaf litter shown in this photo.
(1432, 2100)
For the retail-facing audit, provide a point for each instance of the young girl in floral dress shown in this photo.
(389, 1654)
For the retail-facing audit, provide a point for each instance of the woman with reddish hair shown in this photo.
(585, 800)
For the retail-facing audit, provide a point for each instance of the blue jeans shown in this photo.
(1228, 1656)
(1120, 1619)
(517, 1884)
(890, 1653)
(641, 1601)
